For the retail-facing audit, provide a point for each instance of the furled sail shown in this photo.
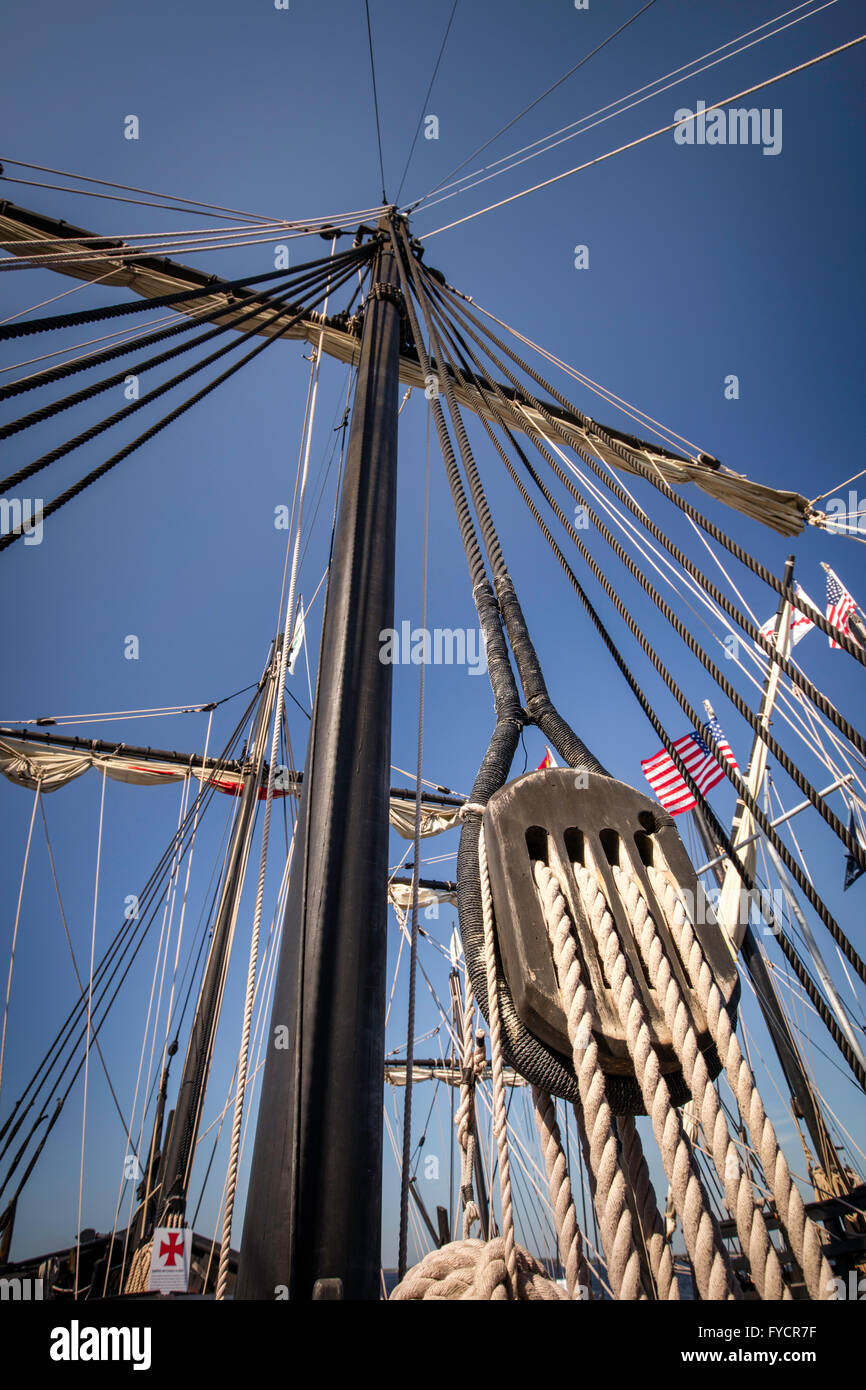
(152, 277)
(28, 764)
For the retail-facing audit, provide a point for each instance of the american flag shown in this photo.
(664, 777)
(840, 605)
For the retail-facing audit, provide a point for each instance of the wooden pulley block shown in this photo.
(593, 831)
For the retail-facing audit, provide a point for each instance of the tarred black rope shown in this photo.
(539, 704)
(288, 288)
(641, 466)
(840, 830)
(121, 454)
(760, 818)
(796, 676)
(474, 557)
(785, 945)
(96, 359)
(138, 306)
(101, 426)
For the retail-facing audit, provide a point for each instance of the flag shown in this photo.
(840, 606)
(297, 639)
(800, 624)
(664, 777)
(852, 868)
(547, 761)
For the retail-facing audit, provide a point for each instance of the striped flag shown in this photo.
(800, 624)
(840, 605)
(547, 761)
(664, 777)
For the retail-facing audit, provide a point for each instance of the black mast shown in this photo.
(313, 1214)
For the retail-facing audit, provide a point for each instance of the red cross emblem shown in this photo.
(171, 1247)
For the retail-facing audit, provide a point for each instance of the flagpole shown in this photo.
(743, 825)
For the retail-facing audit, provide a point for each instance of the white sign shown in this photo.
(169, 1260)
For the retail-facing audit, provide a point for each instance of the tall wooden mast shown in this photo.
(313, 1215)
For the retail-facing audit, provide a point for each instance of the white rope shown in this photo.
(161, 955)
(565, 1217)
(752, 1231)
(465, 1117)
(594, 1115)
(664, 432)
(709, 1258)
(416, 871)
(177, 198)
(231, 1177)
(252, 968)
(133, 333)
(689, 71)
(802, 1233)
(641, 140)
(54, 298)
(15, 929)
(87, 1034)
(500, 1122)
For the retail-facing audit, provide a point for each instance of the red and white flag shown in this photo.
(548, 760)
(800, 623)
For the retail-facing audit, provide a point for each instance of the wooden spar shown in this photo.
(173, 1180)
(154, 276)
(314, 1209)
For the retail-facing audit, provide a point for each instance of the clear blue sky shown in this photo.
(703, 262)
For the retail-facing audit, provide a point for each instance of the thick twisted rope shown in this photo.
(564, 1215)
(477, 1270)
(500, 1122)
(465, 1117)
(801, 1231)
(138, 1277)
(739, 1194)
(646, 1207)
(715, 1278)
(594, 1116)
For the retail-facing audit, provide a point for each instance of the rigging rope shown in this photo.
(839, 829)
(813, 897)
(426, 99)
(538, 99)
(215, 285)
(269, 316)
(688, 70)
(801, 1232)
(641, 140)
(416, 872)
(123, 453)
(645, 470)
(375, 100)
(124, 943)
(87, 1033)
(36, 802)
